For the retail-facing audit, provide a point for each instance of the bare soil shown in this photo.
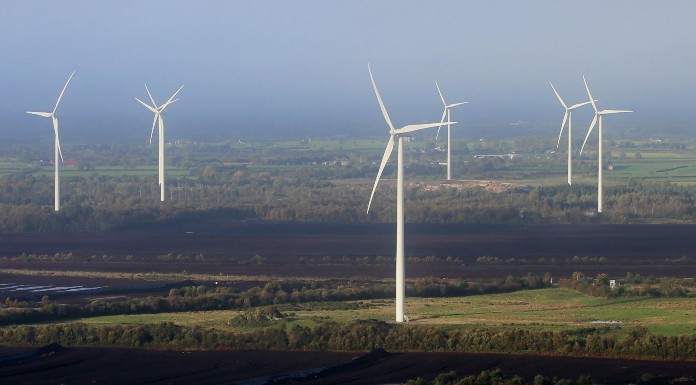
(138, 366)
(229, 246)
(299, 250)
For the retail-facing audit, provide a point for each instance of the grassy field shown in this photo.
(534, 168)
(546, 309)
(333, 145)
(73, 171)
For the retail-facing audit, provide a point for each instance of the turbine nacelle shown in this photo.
(574, 106)
(157, 119)
(157, 110)
(393, 133)
(447, 107)
(568, 110)
(598, 114)
(58, 151)
(53, 115)
(400, 259)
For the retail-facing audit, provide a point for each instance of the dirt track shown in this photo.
(87, 365)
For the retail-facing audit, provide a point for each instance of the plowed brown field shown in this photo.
(133, 366)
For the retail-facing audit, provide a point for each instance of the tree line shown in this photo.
(496, 377)
(116, 202)
(633, 285)
(362, 335)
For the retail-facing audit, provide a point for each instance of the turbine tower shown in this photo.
(598, 115)
(448, 107)
(569, 117)
(398, 134)
(160, 123)
(58, 152)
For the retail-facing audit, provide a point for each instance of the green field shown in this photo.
(73, 171)
(535, 168)
(656, 169)
(545, 309)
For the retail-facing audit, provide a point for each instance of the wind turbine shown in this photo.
(569, 117)
(58, 152)
(160, 123)
(598, 115)
(399, 134)
(448, 107)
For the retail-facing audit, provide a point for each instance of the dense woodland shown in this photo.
(103, 203)
(298, 182)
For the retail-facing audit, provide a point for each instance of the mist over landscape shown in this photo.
(266, 68)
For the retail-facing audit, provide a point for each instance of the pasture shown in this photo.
(543, 309)
(537, 164)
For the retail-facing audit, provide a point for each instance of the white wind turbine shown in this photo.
(598, 114)
(158, 119)
(58, 152)
(568, 116)
(400, 134)
(448, 107)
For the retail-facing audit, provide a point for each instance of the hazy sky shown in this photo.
(301, 66)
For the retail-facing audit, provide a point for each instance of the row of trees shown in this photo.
(496, 377)
(103, 203)
(631, 286)
(359, 336)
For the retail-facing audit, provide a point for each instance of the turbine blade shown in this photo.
(565, 117)
(150, 95)
(385, 158)
(558, 96)
(152, 131)
(379, 99)
(165, 105)
(456, 104)
(44, 114)
(607, 112)
(62, 92)
(416, 127)
(147, 106)
(440, 125)
(169, 101)
(55, 130)
(594, 121)
(440, 92)
(589, 94)
(574, 106)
